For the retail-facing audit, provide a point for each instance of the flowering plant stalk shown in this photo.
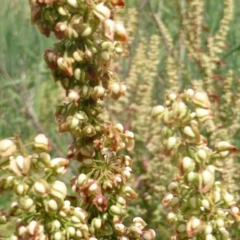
(199, 204)
(88, 39)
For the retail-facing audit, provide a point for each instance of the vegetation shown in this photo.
(181, 70)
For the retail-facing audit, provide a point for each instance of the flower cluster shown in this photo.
(89, 38)
(198, 202)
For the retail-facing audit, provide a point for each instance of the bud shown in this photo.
(189, 93)
(171, 217)
(57, 236)
(171, 142)
(41, 188)
(89, 131)
(129, 192)
(77, 73)
(34, 228)
(120, 33)
(73, 3)
(228, 198)
(157, 111)
(20, 165)
(225, 146)
(85, 30)
(205, 204)
(41, 143)
(60, 165)
(102, 12)
(7, 147)
(97, 92)
(201, 100)
(189, 132)
(86, 92)
(27, 204)
(203, 114)
(167, 199)
(187, 165)
(149, 235)
(137, 221)
(115, 210)
(59, 189)
(82, 179)
(119, 228)
(73, 96)
(193, 227)
(235, 212)
(97, 223)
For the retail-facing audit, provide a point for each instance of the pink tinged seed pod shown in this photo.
(73, 96)
(139, 222)
(167, 199)
(7, 147)
(100, 202)
(20, 165)
(235, 212)
(109, 29)
(120, 33)
(225, 146)
(65, 66)
(118, 3)
(148, 235)
(34, 228)
(194, 225)
(41, 143)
